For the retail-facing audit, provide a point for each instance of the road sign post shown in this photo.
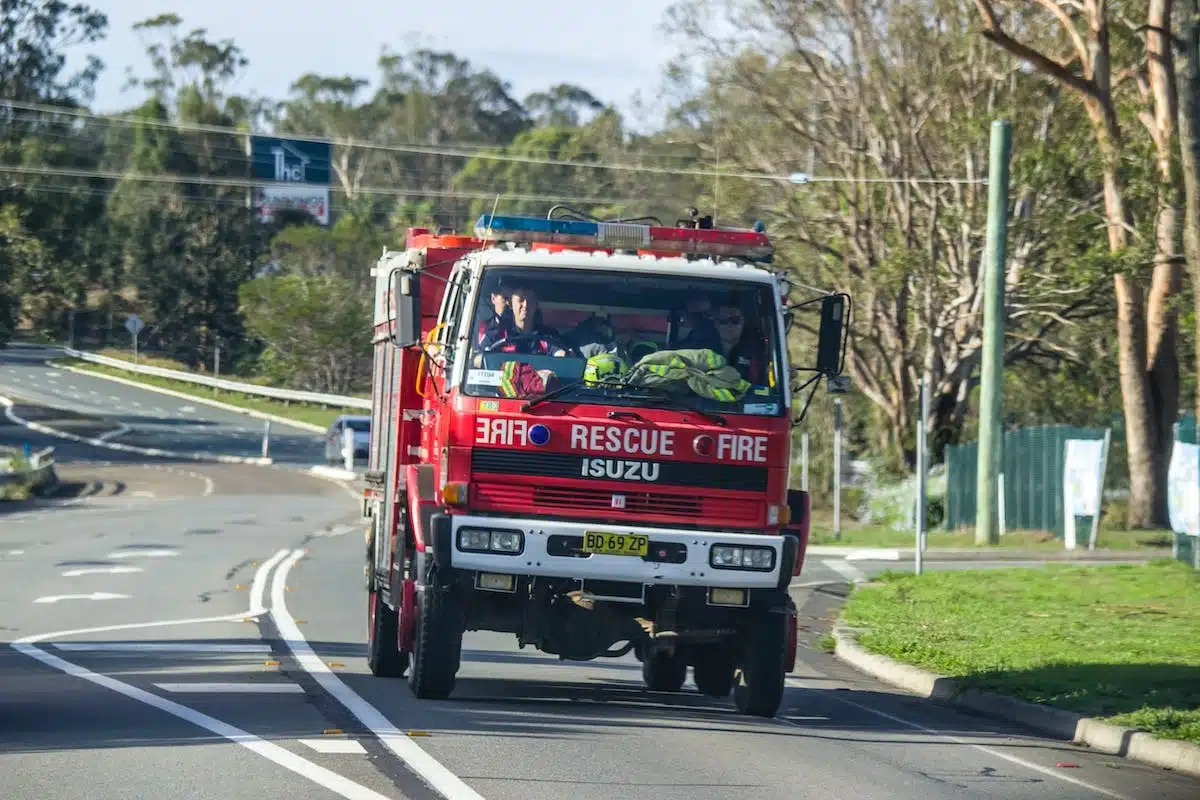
(134, 325)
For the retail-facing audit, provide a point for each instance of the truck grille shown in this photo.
(638, 505)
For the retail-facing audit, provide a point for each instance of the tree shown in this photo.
(842, 89)
(1147, 323)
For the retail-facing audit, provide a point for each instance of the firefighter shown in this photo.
(526, 334)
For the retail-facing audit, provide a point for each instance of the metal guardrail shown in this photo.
(316, 398)
(38, 472)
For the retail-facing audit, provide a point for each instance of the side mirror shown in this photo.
(831, 334)
(406, 308)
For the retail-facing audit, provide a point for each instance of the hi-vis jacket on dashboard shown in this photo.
(706, 373)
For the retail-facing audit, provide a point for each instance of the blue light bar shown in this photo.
(488, 224)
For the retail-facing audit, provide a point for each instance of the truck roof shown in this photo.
(599, 260)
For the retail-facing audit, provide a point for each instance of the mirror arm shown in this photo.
(814, 382)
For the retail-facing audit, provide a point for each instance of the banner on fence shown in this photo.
(1083, 483)
(1183, 488)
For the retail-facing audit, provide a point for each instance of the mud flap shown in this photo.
(408, 614)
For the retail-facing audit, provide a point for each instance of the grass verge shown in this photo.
(301, 412)
(1117, 642)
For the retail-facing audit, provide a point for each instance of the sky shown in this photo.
(613, 49)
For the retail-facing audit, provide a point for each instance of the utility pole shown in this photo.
(991, 389)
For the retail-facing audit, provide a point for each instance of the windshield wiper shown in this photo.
(668, 400)
(566, 387)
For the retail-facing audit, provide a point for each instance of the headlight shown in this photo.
(478, 540)
(755, 557)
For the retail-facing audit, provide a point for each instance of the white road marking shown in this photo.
(16, 552)
(847, 571)
(143, 493)
(75, 573)
(187, 409)
(426, 766)
(959, 740)
(160, 647)
(340, 746)
(344, 787)
(53, 374)
(232, 688)
(873, 554)
(93, 596)
(164, 553)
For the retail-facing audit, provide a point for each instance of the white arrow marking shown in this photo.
(146, 553)
(92, 596)
(75, 573)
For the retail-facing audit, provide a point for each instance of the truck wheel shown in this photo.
(758, 685)
(438, 642)
(713, 673)
(383, 646)
(663, 672)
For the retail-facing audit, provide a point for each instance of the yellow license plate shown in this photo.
(616, 544)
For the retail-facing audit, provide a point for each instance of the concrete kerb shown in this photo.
(1096, 734)
(126, 448)
(306, 426)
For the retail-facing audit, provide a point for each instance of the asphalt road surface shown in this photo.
(195, 630)
(152, 419)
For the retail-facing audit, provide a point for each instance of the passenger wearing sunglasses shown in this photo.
(739, 344)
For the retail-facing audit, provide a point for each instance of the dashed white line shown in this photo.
(231, 688)
(337, 746)
(142, 553)
(93, 596)
(75, 573)
(160, 647)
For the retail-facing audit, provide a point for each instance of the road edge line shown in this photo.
(306, 426)
(128, 448)
(1103, 737)
(422, 764)
(277, 754)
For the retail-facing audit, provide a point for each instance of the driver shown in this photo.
(524, 331)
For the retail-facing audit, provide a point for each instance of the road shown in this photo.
(198, 630)
(152, 419)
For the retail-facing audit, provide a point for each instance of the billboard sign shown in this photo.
(313, 199)
(290, 160)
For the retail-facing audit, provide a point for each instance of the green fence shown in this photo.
(1032, 464)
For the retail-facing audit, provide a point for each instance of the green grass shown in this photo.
(301, 412)
(1116, 642)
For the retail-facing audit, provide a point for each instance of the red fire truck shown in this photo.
(581, 435)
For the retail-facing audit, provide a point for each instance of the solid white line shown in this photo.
(344, 787)
(989, 750)
(232, 688)
(426, 766)
(873, 554)
(75, 573)
(339, 746)
(160, 647)
(846, 570)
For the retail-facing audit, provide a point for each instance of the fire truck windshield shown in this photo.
(625, 339)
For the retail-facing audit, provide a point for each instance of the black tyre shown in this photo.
(663, 672)
(758, 684)
(383, 647)
(437, 648)
(713, 673)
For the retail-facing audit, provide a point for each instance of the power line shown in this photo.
(790, 178)
(243, 183)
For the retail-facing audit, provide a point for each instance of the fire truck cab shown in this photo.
(581, 436)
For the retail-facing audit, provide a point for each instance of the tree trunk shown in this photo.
(1188, 70)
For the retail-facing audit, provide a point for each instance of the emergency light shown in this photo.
(750, 245)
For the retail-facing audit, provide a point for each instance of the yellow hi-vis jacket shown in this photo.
(705, 372)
